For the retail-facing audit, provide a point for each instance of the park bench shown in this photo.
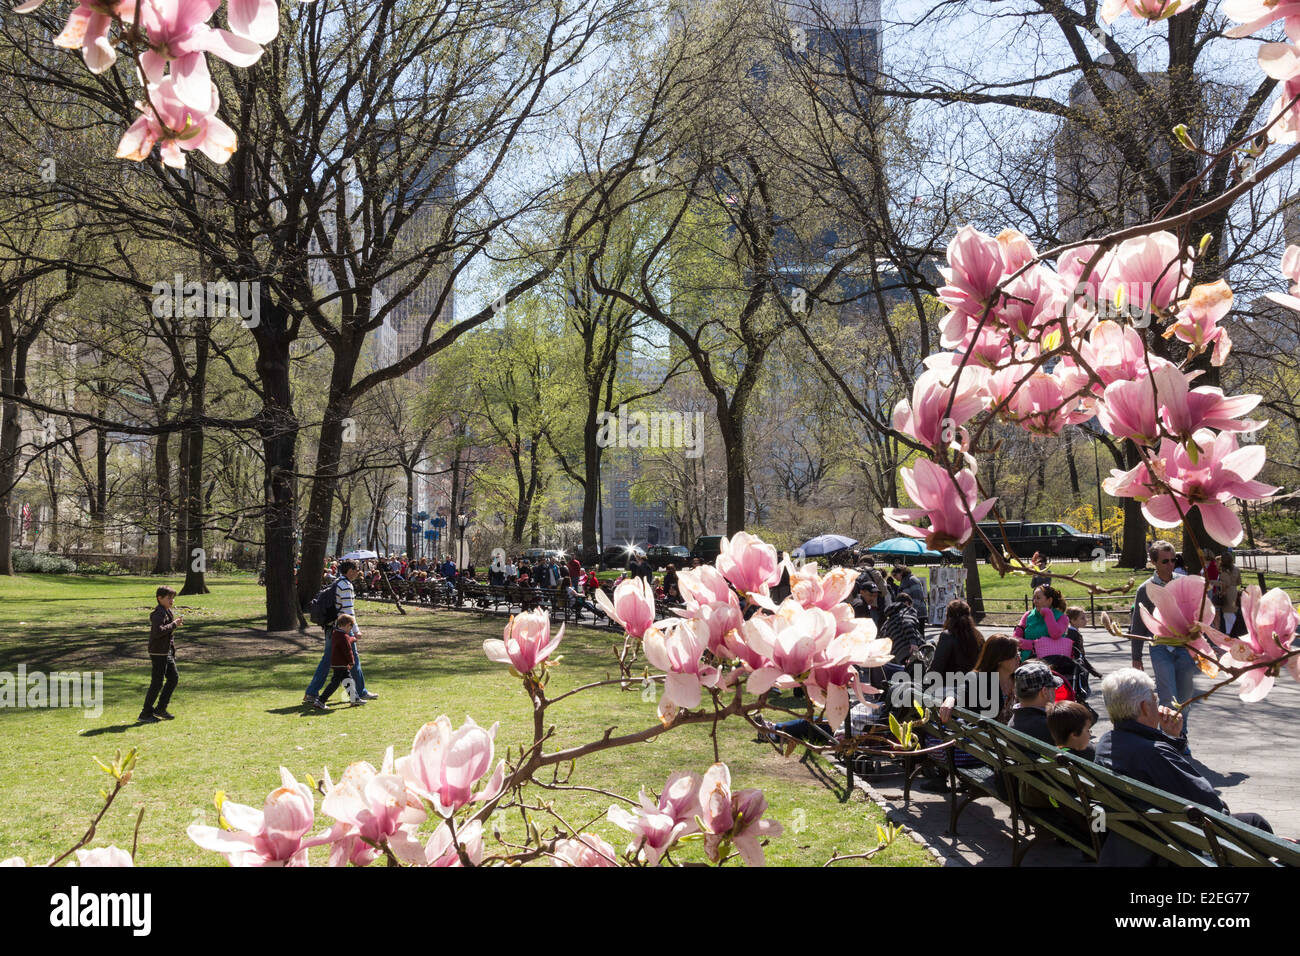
(1051, 793)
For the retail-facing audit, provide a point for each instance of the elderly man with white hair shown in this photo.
(1147, 743)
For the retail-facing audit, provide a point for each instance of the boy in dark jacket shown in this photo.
(162, 653)
(343, 656)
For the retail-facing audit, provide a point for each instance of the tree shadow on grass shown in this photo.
(821, 772)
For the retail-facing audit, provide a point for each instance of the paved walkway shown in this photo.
(1250, 752)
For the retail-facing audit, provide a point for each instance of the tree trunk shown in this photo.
(196, 556)
(99, 503)
(162, 479)
(1073, 469)
(410, 512)
(345, 519)
(9, 434)
(329, 453)
(591, 454)
(733, 441)
(974, 587)
(182, 501)
(278, 429)
(1133, 552)
(1194, 533)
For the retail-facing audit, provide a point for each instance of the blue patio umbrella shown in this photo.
(902, 547)
(826, 544)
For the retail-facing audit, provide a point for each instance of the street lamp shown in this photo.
(461, 521)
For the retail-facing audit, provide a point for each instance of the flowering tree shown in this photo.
(1042, 348)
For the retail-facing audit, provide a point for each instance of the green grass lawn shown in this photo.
(239, 719)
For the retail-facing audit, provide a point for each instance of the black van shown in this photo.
(707, 547)
(1051, 539)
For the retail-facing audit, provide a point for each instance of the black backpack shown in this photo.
(324, 607)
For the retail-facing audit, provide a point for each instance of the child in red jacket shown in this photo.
(342, 656)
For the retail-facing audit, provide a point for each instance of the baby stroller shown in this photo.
(1074, 671)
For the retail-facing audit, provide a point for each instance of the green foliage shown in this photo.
(103, 567)
(42, 562)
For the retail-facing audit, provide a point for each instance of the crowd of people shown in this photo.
(1040, 670)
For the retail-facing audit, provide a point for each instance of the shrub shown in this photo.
(42, 562)
(103, 567)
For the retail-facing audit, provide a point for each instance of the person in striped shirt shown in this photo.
(343, 604)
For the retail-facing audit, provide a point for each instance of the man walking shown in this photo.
(1173, 666)
(343, 604)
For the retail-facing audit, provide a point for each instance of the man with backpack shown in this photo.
(324, 609)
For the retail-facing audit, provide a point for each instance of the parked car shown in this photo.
(707, 547)
(1051, 539)
(533, 555)
(662, 555)
(617, 555)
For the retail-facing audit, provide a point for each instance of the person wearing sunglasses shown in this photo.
(1173, 667)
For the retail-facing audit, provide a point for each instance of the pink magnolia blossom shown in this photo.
(441, 848)
(973, 272)
(444, 764)
(1185, 411)
(104, 856)
(1281, 61)
(1084, 293)
(718, 620)
(1271, 623)
(1116, 354)
(734, 818)
(527, 642)
(373, 807)
(680, 798)
(256, 20)
(1182, 611)
(1144, 9)
(586, 849)
(704, 585)
(87, 29)
(179, 34)
(931, 488)
(1290, 269)
(1198, 320)
(272, 836)
(1151, 270)
(1129, 410)
(1016, 250)
(13, 861)
(1260, 13)
(1220, 472)
(928, 417)
(991, 348)
(748, 563)
(792, 641)
(654, 831)
(675, 647)
(1044, 403)
(179, 127)
(633, 605)
(1033, 303)
(836, 672)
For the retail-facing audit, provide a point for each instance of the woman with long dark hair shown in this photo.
(959, 643)
(1000, 654)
